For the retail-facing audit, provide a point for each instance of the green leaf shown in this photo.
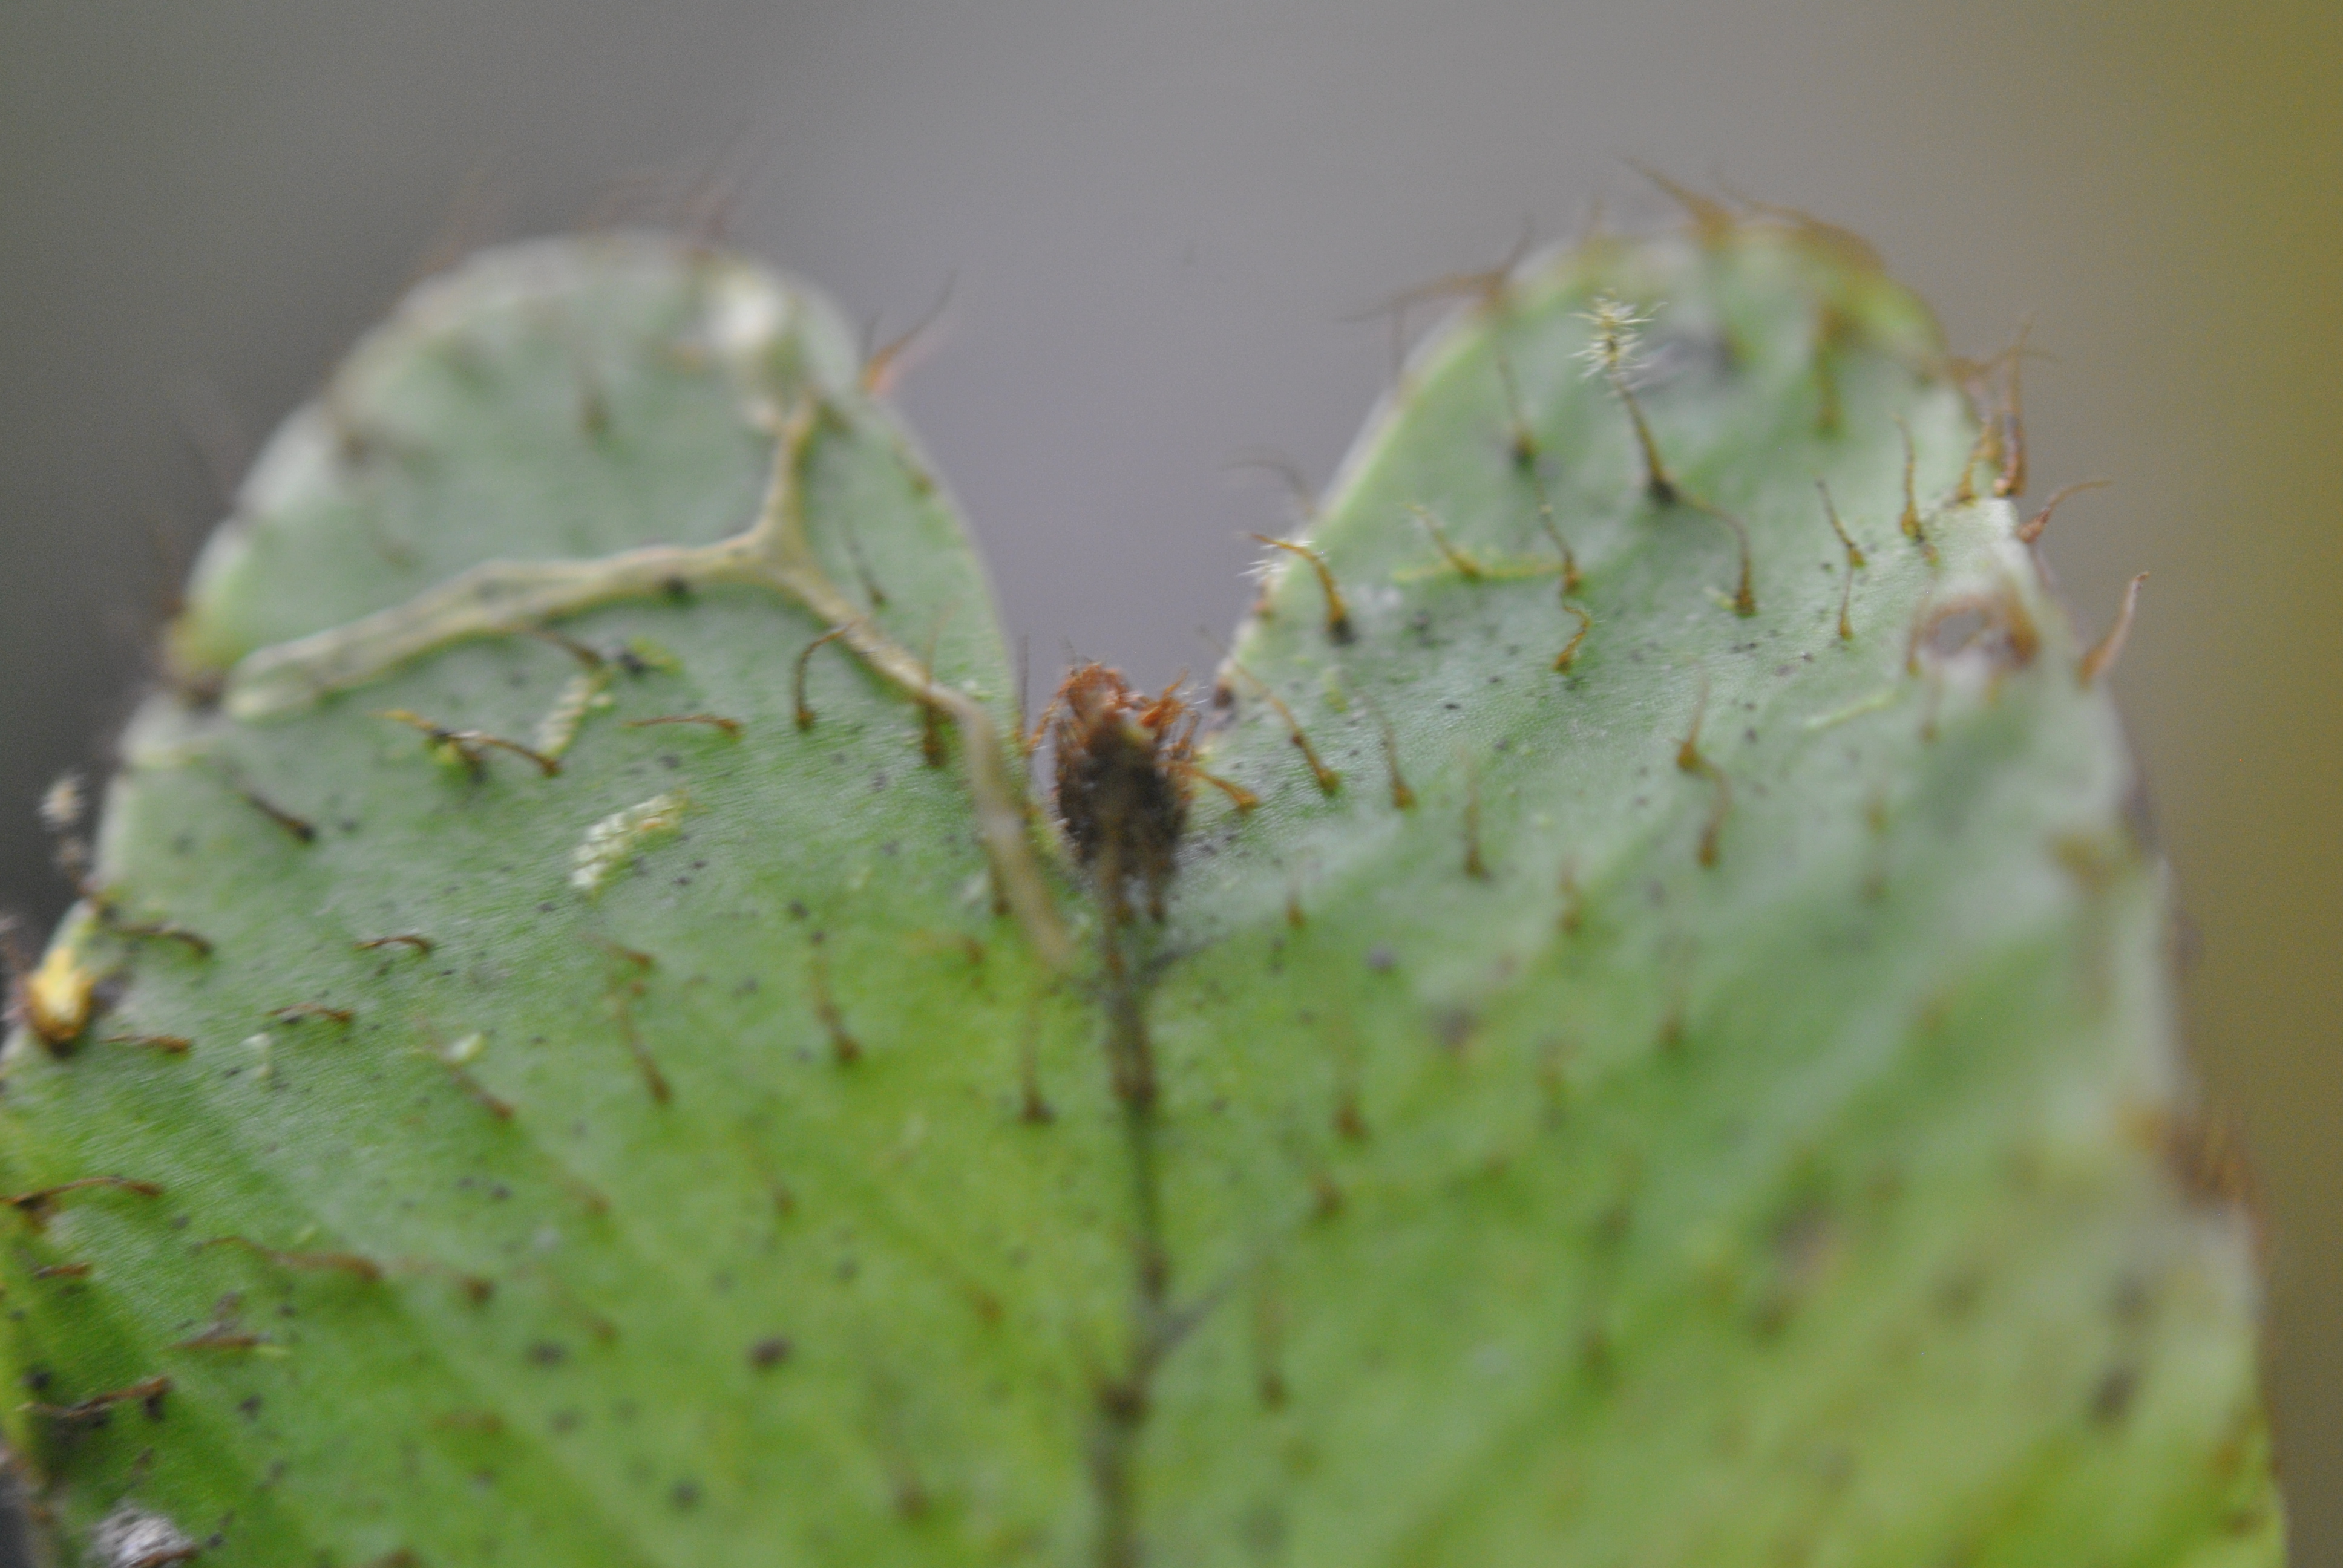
(1712, 1102)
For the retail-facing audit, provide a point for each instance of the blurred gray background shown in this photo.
(1155, 220)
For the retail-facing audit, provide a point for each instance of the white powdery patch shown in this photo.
(611, 843)
(746, 314)
(132, 1537)
(587, 690)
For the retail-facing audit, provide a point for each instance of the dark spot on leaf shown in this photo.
(2208, 1159)
(1381, 960)
(1264, 1532)
(1326, 1199)
(769, 1352)
(548, 1353)
(684, 1495)
(2112, 1399)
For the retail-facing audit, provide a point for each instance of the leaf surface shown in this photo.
(1713, 1102)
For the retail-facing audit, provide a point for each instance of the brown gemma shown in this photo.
(1122, 780)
